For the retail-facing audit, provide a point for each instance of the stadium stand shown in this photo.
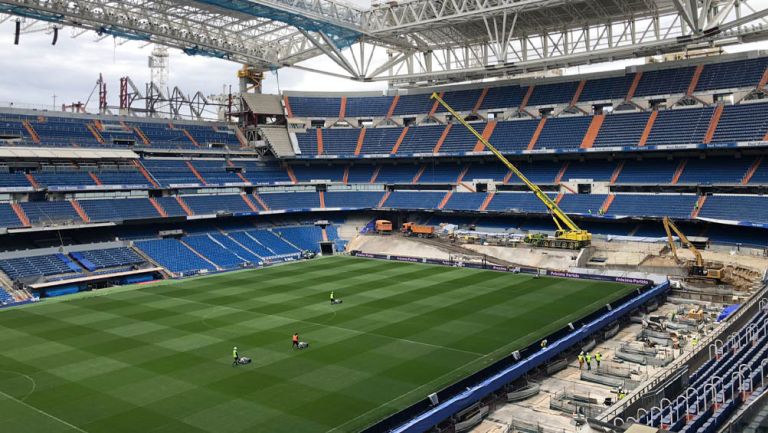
(292, 200)
(118, 209)
(305, 238)
(736, 208)
(211, 204)
(50, 212)
(173, 255)
(215, 252)
(171, 172)
(93, 260)
(39, 266)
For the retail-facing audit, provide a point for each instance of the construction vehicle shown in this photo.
(568, 234)
(383, 227)
(413, 229)
(698, 269)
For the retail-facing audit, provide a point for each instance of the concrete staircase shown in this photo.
(278, 140)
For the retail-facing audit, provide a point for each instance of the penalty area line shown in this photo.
(42, 412)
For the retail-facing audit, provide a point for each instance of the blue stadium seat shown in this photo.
(667, 128)
(368, 106)
(563, 132)
(402, 173)
(51, 212)
(39, 266)
(212, 204)
(259, 173)
(622, 129)
(517, 202)
(303, 106)
(460, 100)
(744, 122)
(215, 251)
(171, 206)
(677, 206)
(587, 204)
(602, 89)
(753, 209)
(715, 170)
(648, 171)
(93, 260)
(304, 237)
(735, 74)
(353, 199)
(465, 201)
(513, 135)
(118, 209)
(413, 104)
(414, 200)
(291, 200)
(171, 172)
(551, 94)
(306, 173)
(380, 140)
(440, 173)
(503, 97)
(174, 256)
(665, 81)
(214, 171)
(8, 217)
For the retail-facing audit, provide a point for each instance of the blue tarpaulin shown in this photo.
(727, 311)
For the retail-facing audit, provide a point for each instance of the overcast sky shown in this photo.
(33, 71)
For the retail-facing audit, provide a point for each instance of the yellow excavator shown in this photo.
(698, 269)
(568, 234)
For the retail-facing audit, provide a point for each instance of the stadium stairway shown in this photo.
(721, 384)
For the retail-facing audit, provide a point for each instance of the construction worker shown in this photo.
(235, 356)
(694, 341)
(589, 361)
(598, 358)
(332, 300)
(543, 344)
(621, 394)
(581, 360)
(295, 340)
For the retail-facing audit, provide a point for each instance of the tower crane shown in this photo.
(568, 234)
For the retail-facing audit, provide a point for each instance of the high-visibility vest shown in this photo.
(581, 358)
(234, 353)
(599, 357)
(589, 358)
(331, 295)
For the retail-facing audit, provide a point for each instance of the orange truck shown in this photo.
(383, 227)
(413, 229)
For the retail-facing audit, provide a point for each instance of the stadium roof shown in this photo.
(413, 41)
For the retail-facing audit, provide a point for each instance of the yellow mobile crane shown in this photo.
(698, 269)
(568, 234)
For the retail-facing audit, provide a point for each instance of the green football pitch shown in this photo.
(157, 358)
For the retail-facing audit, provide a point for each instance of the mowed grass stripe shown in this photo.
(159, 353)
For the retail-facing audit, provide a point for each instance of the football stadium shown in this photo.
(534, 216)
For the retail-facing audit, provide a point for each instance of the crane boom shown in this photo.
(567, 229)
(698, 270)
(670, 227)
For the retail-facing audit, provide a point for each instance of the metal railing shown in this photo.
(621, 406)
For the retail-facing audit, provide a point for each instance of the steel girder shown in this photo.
(416, 42)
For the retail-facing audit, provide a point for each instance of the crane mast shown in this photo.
(568, 234)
